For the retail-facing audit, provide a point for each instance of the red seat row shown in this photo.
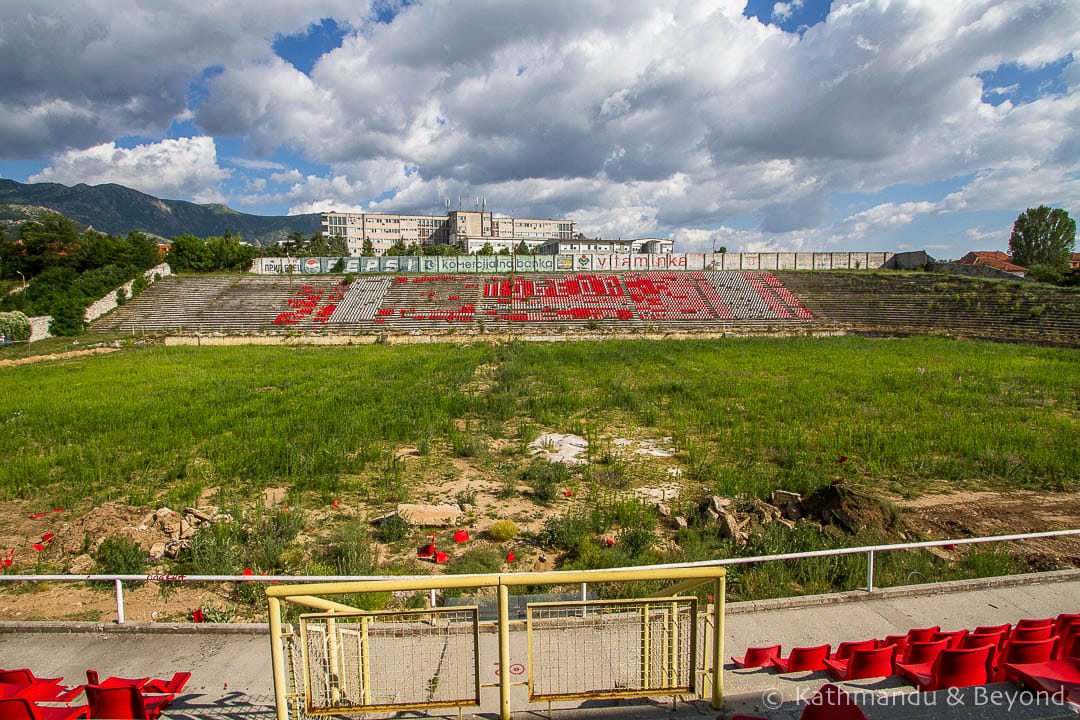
(933, 659)
(115, 698)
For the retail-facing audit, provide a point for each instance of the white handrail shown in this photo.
(870, 551)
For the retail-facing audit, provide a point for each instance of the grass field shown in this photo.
(154, 426)
(748, 414)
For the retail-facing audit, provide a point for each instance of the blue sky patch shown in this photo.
(794, 16)
(303, 50)
(1023, 85)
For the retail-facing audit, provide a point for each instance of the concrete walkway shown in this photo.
(231, 674)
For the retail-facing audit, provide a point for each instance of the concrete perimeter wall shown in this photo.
(577, 263)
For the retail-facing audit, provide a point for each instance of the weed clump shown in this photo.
(545, 478)
(503, 530)
(120, 555)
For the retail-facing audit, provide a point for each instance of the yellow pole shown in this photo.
(672, 645)
(719, 590)
(504, 651)
(365, 662)
(333, 668)
(645, 649)
(277, 658)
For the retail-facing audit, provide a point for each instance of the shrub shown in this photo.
(565, 532)
(120, 555)
(392, 529)
(503, 530)
(15, 326)
(545, 479)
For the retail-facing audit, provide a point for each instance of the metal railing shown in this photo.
(871, 551)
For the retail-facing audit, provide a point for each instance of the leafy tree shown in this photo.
(441, 249)
(67, 316)
(368, 249)
(522, 248)
(1043, 236)
(51, 242)
(486, 250)
(397, 249)
(188, 252)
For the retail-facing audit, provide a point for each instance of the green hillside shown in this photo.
(118, 210)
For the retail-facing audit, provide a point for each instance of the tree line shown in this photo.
(56, 268)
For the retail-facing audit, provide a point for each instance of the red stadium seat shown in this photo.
(803, 658)
(756, 657)
(864, 663)
(951, 669)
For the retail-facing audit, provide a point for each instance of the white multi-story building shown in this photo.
(587, 246)
(470, 230)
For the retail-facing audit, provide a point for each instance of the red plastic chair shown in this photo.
(124, 702)
(844, 649)
(1068, 646)
(952, 669)
(803, 658)
(1005, 627)
(1034, 623)
(915, 635)
(1064, 621)
(1040, 632)
(23, 676)
(923, 653)
(832, 703)
(953, 636)
(1017, 652)
(996, 638)
(864, 663)
(756, 657)
(148, 685)
(900, 641)
(22, 709)
(1053, 676)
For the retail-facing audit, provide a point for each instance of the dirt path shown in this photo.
(55, 356)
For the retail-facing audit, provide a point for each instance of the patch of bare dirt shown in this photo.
(979, 514)
(55, 356)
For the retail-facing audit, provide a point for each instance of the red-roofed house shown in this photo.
(995, 259)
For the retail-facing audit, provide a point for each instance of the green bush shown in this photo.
(15, 326)
(392, 529)
(503, 530)
(120, 555)
(545, 479)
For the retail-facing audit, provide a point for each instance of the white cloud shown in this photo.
(185, 167)
(632, 116)
(783, 10)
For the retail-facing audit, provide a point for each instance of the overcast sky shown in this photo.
(802, 125)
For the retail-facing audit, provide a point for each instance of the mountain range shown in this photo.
(118, 210)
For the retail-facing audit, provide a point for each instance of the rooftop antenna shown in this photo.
(483, 205)
(448, 206)
(459, 202)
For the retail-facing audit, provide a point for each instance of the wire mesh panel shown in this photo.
(356, 662)
(612, 648)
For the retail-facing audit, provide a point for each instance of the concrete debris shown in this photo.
(564, 449)
(430, 515)
(737, 519)
(667, 491)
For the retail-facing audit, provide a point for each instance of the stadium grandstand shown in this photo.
(891, 302)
